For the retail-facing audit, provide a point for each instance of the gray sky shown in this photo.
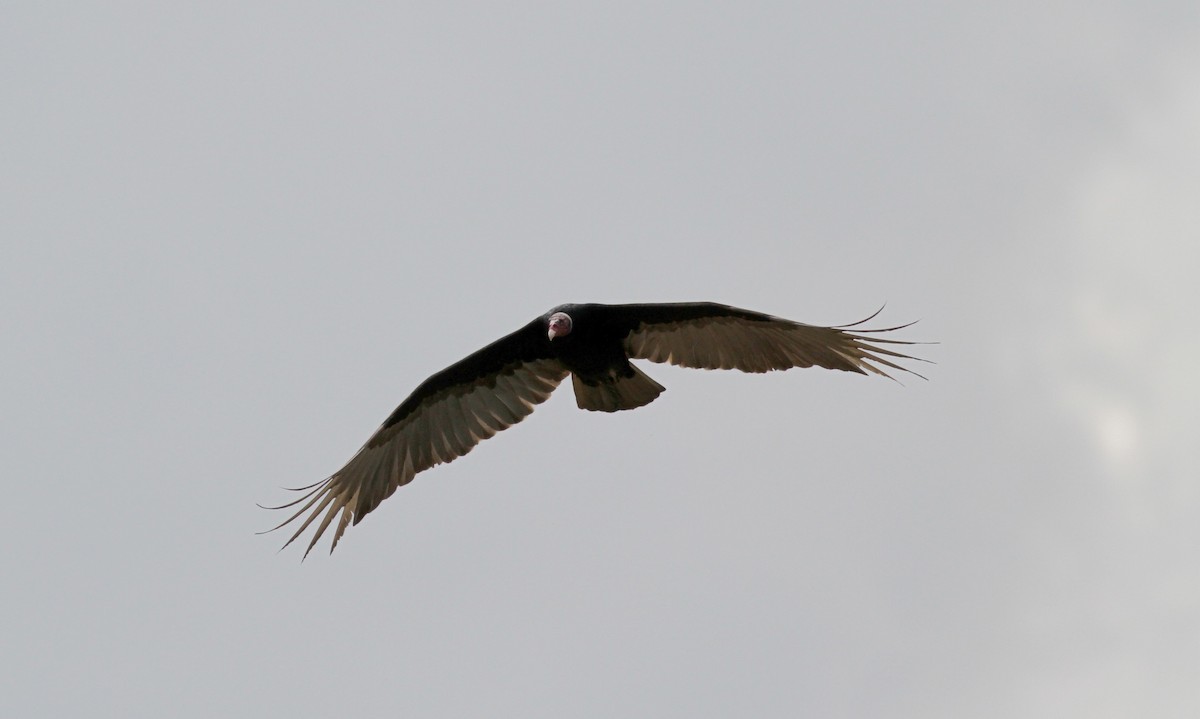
(234, 238)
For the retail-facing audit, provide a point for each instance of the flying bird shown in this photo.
(496, 387)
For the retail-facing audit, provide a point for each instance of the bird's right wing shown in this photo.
(443, 419)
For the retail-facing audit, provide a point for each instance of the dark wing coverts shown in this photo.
(443, 419)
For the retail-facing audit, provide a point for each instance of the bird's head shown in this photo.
(559, 325)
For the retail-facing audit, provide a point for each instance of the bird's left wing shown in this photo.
(443, 419)
(708, 335)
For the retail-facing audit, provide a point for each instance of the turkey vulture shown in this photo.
(498, 386)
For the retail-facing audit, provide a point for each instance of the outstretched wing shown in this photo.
(706, 335)
(443, 419)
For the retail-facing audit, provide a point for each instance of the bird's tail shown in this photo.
(624, 388)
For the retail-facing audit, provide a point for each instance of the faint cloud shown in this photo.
(1118, 434)
(1113, 425)
(1123, 345)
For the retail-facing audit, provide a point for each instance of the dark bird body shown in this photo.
(499, 385)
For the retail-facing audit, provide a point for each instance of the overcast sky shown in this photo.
(235, 236)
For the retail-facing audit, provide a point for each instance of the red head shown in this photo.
(560, 325)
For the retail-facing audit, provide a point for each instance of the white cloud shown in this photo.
(1125, 338)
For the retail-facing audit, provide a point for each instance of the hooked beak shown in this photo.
(552, 333)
